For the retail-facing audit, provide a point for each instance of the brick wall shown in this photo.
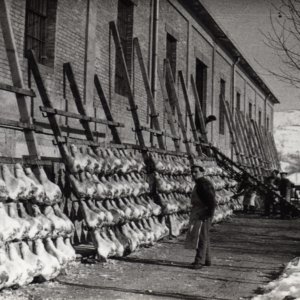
(193, 41)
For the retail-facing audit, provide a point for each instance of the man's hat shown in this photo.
(197, 164)
(283, 173)
(275, 171)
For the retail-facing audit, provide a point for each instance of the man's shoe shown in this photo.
(197, 266)
(208, 263)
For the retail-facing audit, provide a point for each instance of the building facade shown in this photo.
(77, 31)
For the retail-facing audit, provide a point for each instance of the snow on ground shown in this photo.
(287, 286)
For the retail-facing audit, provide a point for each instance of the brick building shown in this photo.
(77, 31)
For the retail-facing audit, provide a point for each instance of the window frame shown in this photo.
(125, 22)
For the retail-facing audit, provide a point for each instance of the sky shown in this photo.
(243, 21)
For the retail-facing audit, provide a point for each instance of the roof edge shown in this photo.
(207, 18)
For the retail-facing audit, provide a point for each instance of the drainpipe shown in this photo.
(233, 93)
(154, 56)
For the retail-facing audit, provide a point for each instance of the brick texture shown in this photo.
(194, 41)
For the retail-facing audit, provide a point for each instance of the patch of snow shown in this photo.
(287, 285)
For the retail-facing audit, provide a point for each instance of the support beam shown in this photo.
(150, 98)
(107, 111)
(168, 109)
(16, 76)
(190, 114)
(174, 97)
(119, 49)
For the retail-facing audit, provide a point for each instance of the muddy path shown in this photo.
(248, 251)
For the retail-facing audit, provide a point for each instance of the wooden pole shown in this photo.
(168, 109)
(133, 106)
(174, 97)
(154, 114)
(106, 108)
(190, 114)
(16, 76)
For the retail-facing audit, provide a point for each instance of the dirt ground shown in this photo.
(248, 252)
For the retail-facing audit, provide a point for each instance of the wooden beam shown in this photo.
(68, 70)
(246, 142)
(257, 152)
(16, 75)
(34, 67)
(20, 125)
(199, 110)
(14, 89)
(233, 132)
(107, 111)
(154, 114)
(260, 146)
(190, 114)
(168, 108)
(68, 114)
(174, 97)
(251, 145)
(133, 106)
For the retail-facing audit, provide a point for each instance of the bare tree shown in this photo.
(284, 39)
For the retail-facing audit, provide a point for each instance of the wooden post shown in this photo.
(170, 81)
(106, 108)
(246, 142)
(154, 114)
(16, 75)
(168, 109)
(232, 131)
(260, 146)
(199, 110)
(46, 102)
(78, 101)
(275, 150)
(257, 152)
(133, 106)
(251, 145)
(263, 143)
(190, 114)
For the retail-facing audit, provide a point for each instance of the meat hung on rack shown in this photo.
(114, 197)
(35, 234)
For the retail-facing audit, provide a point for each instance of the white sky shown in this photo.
(243, 20)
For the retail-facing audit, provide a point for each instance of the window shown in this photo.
(125, 28)
(171, 56)
(268, 123)
(238, 101)
(172, 53)
(201, 85)
(40, 29)
(222, 107)
(250, 110)
(259, 118)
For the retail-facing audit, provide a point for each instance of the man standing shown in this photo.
(269, 196)
(203, 207)
(285, 187)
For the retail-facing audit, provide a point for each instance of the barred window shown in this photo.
(40, 29)
(250, 110)
(171, 55)
(238, 101)
(201, 85)
(125, 28)
(222, 107)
